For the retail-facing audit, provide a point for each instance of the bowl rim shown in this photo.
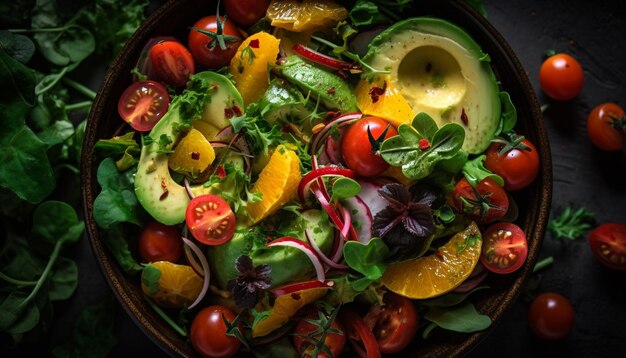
(536, 219)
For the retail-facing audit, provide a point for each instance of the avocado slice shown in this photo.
(288, 264)
(442, 71)
(158, 193)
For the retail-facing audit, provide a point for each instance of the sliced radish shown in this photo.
(321, 255)
(340, 121)
(320, 58)
(299, 286)
(323, 199)
(318, 173)
(370, 197)
(362, 214)
(337, 251)
(306, 249)
(206, 272)
(332, 149)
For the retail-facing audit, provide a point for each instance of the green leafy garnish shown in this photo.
(571, 224)
(459, 318)
(344, 188)
(367, 259)
(474, 171)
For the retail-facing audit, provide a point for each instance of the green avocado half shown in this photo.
(441, 70)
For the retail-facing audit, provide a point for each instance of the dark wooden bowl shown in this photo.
(173, 19)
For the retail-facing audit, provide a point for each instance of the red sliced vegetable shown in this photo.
(362, 214)
(206, 272)
(313, 175)
(306, 249)
(360, 335)
(370, 197)
(339, 122)
(325, 259)
(320, 58)
(299, 286)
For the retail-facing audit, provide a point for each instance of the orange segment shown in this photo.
(250, 65)
(285, 307)
(436, 274)
(390, 105)
(178, 285)
(277, 183)
(193, 154)
(307, 15)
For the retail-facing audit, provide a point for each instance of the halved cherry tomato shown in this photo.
(606, 126)
(561, 77)
(486, 203)
(360, 335)
(208, 333)
(159, 242)
(143, 104)
(334, 341)
(246, 12)
(394, 324)
(551, 316)
(505, 248)
(518, 167)
(210, 219)
(206, 48)
(608, 244)
(171, 63)
(356, 146)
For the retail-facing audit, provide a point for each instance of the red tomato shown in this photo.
(246, 12)
(357, 150)
(208, 333)
(210, 219)
(486, 203)
(206, 48)
(505, 248)
(394, 323)
(608, 244)
(606, 126)
(561, 77)
(551, 316)
(335, 342)
(159, 242)
(143, 104)
(171, 63)
(518, 167)
(361, 337)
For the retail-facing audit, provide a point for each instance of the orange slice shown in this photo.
(193, 154)
(441, 272)
(390, 105)
(307, 15)
(178, 285)
(277, 183)
(285, 307)
(251, 64)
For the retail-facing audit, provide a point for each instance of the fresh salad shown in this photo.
(308, 178)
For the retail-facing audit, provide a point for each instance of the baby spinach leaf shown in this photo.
(460, 318)
(508, 116)
(150, 278)
(474, 171)
(18, 314)
(116, 202)
(115, 240)
(344, 188)
(63, 280)
(57, 133)
(56, 221)
(419, 147)
(17, 46)
(123, 145)
(450, 299)
(367, 259)
(366, 12)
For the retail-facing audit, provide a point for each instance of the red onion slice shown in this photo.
(320, 58)
(306, 249)
(321, 255)
(190, 194)
(205, 269)
(299, 286)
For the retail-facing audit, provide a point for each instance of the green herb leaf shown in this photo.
(508, 116)
(460, 318)
(18, 314)
(56, 221)
(367, 259)
(344, 188)
(150, 278)
(63, 280)
(474, 171)
(479, 6)
(571, 224)
(115, 240)
(17, 46)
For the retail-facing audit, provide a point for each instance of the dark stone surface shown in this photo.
(594, 33)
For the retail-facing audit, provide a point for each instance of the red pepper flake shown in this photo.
(377, 91)
(254, 43)
(331, 91)
(439, 255)
(229, 113)
(195, 155)
(237, 109)
(464, 118)
(296, 296)
(220, 171)
(424, 144)
(165, 191)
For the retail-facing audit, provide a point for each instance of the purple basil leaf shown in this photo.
(397, 195)
(402, 244)
(419, 222)
(422, 195)
(385, 220)
(244, 264)
(243, 297)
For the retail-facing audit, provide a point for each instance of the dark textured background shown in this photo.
(594, 33)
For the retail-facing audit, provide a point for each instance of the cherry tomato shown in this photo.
(561, 77)
(143, 104)
(505, 248)
(159, 242)
(606, 126)
(208, 333)
(210, 219)
(394, 323)
(206, 48)
(551, 316)
(171, 63)
(518, 167)
(357, 150)
(334, 341)
(486, 203)
(246, 12)
(608, 244)
(360, 335)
